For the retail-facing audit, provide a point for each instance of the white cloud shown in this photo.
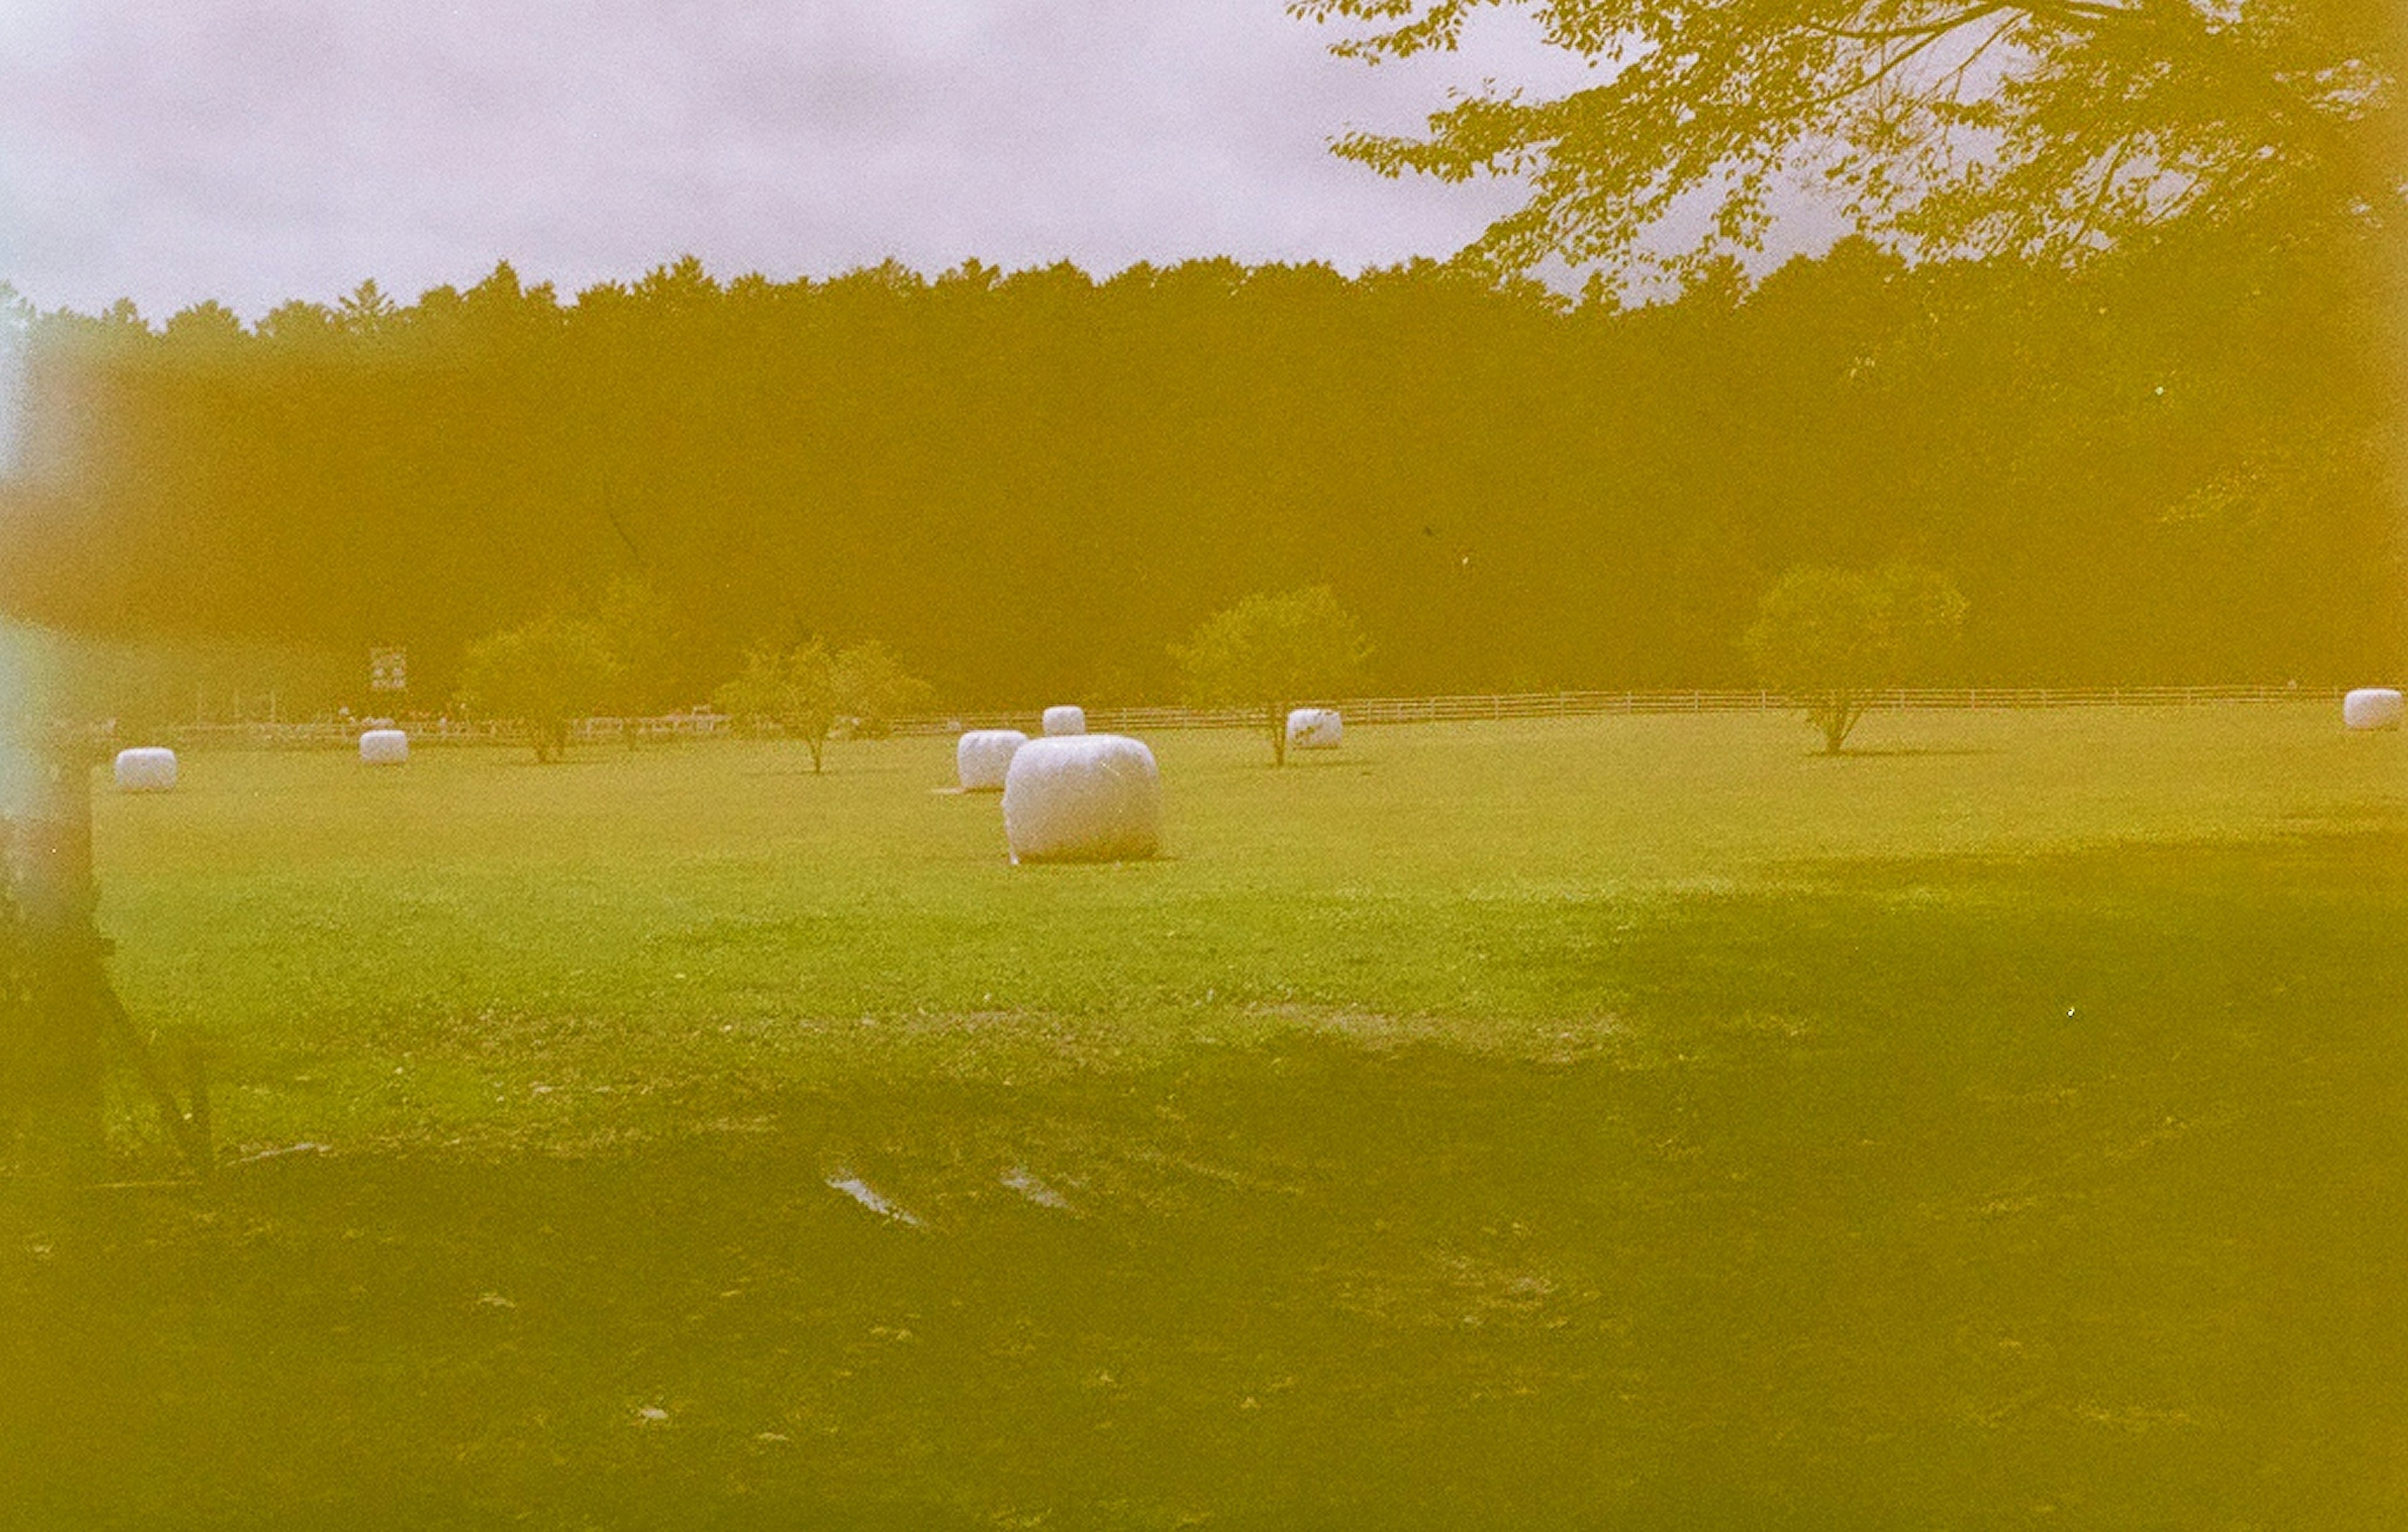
(253, 151)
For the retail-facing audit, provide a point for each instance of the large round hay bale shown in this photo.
(1091, 797)
(984, 755)
(148, 768)
(1314, 729)
(384, 747)
(2372, 708)
(1066, 719)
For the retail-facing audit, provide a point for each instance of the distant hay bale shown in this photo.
(2372, 708)
(1066, 719)
(1094, 797)
(1314, 729)
(145, 769)
(982, 757)
(384, 747)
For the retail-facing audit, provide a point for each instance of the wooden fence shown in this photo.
(1520, 705)
(325, 734)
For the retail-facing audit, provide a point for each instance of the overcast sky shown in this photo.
(255, 150)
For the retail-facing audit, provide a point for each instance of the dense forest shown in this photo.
(2179, 464)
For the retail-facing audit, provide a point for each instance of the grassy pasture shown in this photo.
(1626, 1122)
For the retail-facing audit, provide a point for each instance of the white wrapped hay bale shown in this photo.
(145, 769)
(1066, 719)
(384, 747)
(984, 755)
(1091, 797)
(2372, 708)
(1314, 729)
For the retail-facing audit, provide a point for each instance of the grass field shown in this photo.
(1619, 1123)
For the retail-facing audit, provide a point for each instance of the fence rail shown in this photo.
(325, 733)
(342, 734)
(1529, 705)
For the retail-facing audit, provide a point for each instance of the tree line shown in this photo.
(2179, 465)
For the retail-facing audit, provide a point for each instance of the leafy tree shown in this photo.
(2178, 464)
(793, 690)
(648, 645)
(804, 690)
(205, 327)
(298, 322)
(1273, 653)
(1833, 638)
(2043, 127)
(365, 310)
(543, 673)
(872, 689)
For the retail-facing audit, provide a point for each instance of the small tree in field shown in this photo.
(804, 690)
(1272, 652)
(1831, 640)
(791, 689)
(543, 673)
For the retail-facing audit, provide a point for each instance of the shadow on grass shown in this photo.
(1877, 752)
(592, 756)
(1868, 1232)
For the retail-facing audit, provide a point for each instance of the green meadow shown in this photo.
(1626, 1121)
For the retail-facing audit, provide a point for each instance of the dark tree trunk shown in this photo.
(1836, 713)
(52, 1013)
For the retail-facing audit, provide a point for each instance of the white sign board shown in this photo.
(388, 670)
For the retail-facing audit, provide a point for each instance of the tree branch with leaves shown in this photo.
(2046, 128)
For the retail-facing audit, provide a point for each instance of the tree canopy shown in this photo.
(2178, 464)
(872, 688)
(2035, 128)
(791, 689)
(1833, 639)
(545, 674)
(804, 689)
(1270, 651)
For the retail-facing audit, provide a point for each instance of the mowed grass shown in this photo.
(486, 926)
(1622, 1122)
